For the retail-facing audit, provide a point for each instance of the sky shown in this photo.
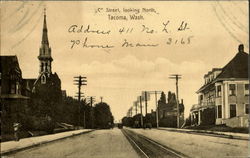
(119, 74)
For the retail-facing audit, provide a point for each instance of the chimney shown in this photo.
(241, 48)
(182, 101)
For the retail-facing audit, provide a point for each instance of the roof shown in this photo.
(8, 63)
(236, 68)
(28, 83)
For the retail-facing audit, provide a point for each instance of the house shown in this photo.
(13, 102)
(167, 111)
(27, 86)
(224, 97)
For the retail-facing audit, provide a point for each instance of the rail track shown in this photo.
(148, 148)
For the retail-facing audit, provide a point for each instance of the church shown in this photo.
(45, 73)
(31, 102)
(45, 77)
(45, 91)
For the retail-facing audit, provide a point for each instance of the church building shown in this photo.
(45, 72)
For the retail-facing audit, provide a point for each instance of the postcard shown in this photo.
(124, 79)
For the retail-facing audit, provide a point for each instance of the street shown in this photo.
(100, 144)
(134, 143)
(194, 145)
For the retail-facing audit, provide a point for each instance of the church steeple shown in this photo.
(45, 39)
(45, 50)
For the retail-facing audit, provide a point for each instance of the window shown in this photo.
(13, 88)
(246, 108)
(201, 99)
(43, 79)
(46, 67)
(17, 88)
(42, 67)
(246, 89)
(219, 91)
(232, 89)
(232, 110)
(219, 112)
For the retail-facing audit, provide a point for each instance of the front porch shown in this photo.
(203, 114)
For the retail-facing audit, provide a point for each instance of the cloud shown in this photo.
(133, 67)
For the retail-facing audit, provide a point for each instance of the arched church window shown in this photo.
(46, 66)
(43, 79)
(42, 67)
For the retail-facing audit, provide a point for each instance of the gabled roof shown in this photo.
(9, 63)
(236, 68)
(28, 83)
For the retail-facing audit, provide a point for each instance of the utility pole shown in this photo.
(135, 108)
(101, 99)
(135, 105)
(92, 100)
(79, 81)
(146, 104)
(156, 105)
(177, 77)
(84, 119)
(141, 113)
(156, 111)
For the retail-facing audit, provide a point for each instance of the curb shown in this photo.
(12, 151)
(208, 133)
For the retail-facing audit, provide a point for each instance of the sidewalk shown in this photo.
(231, 135)
(13, 146)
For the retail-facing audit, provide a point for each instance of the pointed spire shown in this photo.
(45, 50)
(45, 31)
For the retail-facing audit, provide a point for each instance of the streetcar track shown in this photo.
(135, 139)
(131, 140)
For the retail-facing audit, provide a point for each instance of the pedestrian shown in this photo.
(16, 131)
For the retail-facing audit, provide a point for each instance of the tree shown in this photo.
(171, 98)
(103, 116)
(162, 98)
(45, 102)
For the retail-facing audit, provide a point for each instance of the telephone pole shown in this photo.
(136, 108)
(92, 100)
(177, 77)
(146, 104)
(101, 99)
(141, 112)
(79, 81)
(156, 105)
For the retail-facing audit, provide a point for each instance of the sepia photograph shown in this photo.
(124, 79)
